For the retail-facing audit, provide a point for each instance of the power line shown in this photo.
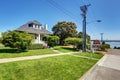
(83, 1)
(76, 2)
(59, 7)
(91, 10)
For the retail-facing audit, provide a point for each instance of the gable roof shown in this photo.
(28, 29)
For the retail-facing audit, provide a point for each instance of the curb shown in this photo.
(86, 76)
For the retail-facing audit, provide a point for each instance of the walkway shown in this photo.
(108, 68)
(5, 60)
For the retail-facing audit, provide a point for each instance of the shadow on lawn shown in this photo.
(11, 51)
(69, 49)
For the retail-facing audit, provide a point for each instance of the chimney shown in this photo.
(46, 27)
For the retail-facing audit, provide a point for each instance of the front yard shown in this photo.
(6, 52)
(65, 67)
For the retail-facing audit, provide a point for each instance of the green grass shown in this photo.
(53, 68)
(64, 49)
(94, 55)
(6, 52)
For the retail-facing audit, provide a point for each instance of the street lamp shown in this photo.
(101, 37)
(93, 21)
(98, 20)
(84, 10)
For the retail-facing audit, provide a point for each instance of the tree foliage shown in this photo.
(52, 40)
(87, 37)
(104, 46)
(64, 30)
(19, 40)
(77, 42)
(0, 40)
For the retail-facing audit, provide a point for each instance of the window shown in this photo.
(30, 25)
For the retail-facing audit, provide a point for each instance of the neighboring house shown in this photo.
(35, 28)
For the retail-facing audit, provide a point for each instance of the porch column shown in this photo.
(38, 38)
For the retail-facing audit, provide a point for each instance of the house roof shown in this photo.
(28, 29)
(96, 42)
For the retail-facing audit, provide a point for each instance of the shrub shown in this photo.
(97, 52)
(15, 39)
(35, 46)
(77, 42)
(105, 46)
(52, 40)
(0, 40)
(116, 47)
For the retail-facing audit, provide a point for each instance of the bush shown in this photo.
(97, 52)
(52, 40)
(0, 40)
(102, 47)
(105, 46)
(77, 42)
(116, 47)
(35, 46)
(15, 39)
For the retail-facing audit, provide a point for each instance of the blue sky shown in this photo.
(14, 13)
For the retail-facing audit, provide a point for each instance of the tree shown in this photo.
(103, 42)
(52, 40)
(76, 42)
(19, 40)
(64, 30)
(87, 37)
(0, 40)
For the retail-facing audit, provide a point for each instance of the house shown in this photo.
(35, 28)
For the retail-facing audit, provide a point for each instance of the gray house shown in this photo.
(35, 28)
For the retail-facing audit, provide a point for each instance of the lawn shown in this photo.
(65, 67)
(87, 54)
(94, 55)
(64, 49)
(6, 52)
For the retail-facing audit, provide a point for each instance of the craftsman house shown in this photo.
(36, 29)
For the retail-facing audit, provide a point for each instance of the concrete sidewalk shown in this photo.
(108, 68)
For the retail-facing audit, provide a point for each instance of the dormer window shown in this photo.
(35, 25)
(30, 25)
(39, 27)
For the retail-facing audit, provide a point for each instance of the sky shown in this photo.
(14, 13)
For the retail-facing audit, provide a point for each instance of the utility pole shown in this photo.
(84, 10)
(101, 36)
